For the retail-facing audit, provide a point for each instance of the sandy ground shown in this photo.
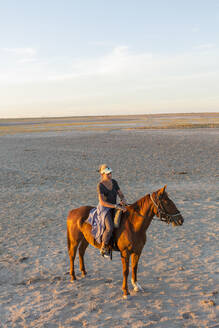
(109, 123)
(44, 175)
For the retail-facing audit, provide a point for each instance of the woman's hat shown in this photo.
(105, 169)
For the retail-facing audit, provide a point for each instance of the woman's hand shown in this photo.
(123, 202)
(121, 207)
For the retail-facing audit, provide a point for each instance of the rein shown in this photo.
(162, 213)
(144, 216)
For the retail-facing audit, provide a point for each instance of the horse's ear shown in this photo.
(162, 190)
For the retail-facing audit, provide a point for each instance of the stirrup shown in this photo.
(105, 251)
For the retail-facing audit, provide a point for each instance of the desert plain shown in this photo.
(49, 166)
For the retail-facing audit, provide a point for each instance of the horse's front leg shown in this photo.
(125, 265)
(135, 258)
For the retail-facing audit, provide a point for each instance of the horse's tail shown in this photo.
(68, 239)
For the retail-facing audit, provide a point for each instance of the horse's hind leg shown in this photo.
(82, 249)
(72, 253)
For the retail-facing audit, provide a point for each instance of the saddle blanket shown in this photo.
(97, 220)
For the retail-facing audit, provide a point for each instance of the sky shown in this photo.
(101, 57)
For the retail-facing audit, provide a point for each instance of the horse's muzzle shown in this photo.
(178, 221)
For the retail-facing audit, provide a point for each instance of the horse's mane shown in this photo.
(139, 203)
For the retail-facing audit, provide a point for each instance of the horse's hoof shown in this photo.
(73, 279)
(137, 287)
(126, 297)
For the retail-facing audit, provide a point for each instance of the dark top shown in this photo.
(110, 195)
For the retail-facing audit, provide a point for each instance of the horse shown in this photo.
(130, 236)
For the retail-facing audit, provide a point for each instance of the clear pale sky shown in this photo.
(101, 57)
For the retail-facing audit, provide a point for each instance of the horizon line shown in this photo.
(107, 115)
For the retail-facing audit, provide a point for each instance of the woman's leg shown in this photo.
(108, 229)
(107, 235)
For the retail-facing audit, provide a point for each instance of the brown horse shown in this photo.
(130, 237)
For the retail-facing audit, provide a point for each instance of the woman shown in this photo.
(107, 190)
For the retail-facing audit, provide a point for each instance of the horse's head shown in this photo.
(165, 208)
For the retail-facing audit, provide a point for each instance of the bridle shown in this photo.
(162, 213)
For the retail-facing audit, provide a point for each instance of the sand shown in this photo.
(45, 174)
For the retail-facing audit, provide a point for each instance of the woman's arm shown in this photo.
(110, 205)
(122, 197)
(103, 202)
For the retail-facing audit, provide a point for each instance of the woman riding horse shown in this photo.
(130, 236)
(107, 190)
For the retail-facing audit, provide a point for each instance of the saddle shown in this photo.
(117, 218)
